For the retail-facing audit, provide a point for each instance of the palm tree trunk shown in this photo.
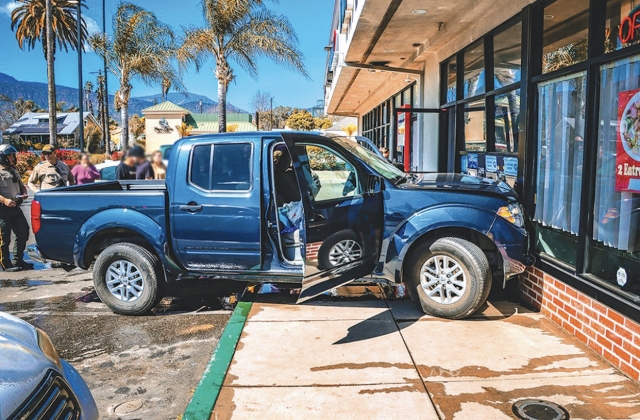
(124, 116)
(51, 78)
(222, 106)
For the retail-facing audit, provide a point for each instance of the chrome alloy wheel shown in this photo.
(345, 251)
(124, 281)
(443, 279)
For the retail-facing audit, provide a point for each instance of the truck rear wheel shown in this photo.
(126, 279)
(449, 277)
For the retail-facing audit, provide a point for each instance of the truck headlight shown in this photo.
(512, 213)
(45, 344)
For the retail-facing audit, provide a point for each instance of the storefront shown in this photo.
(547, 98)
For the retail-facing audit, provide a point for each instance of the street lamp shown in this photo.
(80, 86)
(107, 134)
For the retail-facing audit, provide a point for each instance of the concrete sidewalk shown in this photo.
(386, 360)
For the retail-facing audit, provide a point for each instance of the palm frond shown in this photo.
(28, 22)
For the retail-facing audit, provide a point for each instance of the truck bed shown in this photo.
(65, 210)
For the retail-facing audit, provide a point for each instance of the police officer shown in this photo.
(12, 193)
(50, 173)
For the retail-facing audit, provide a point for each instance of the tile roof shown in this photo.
(165, 107)
(212, 127)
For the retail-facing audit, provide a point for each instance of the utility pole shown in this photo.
(271, 118)
(53, 126)
(80, 86)
(105, 100)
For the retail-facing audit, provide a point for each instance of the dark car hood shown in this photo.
(461, 183)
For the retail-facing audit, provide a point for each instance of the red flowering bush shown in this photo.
(116, 155)
(26, 163)
(70, 157)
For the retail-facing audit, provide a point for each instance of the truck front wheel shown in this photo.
(125, 277)
(448, 277)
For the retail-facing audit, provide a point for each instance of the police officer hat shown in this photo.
(49, 148)
(5, 151)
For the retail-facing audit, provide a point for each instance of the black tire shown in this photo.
(147, 266)
(324, 253)
(475, 272)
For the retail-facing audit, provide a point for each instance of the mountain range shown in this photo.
(37, 92)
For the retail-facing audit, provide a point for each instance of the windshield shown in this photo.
(380, 165)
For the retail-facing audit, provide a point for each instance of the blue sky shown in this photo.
(310, 18)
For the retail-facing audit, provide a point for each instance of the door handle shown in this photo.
(191, 207)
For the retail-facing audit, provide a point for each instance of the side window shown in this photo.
(232, 167)
(329, 176)
(223, 167)
(200, 167)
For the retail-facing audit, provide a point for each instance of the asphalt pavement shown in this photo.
(136, 367)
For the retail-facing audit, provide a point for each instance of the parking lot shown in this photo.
(136, 367)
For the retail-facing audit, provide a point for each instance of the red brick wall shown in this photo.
(607, 332)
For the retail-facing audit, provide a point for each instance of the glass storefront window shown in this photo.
(615, 255)
(507, 119)
(451, 69)
(507, 46)
(475, 129)
(623, 19)
(474, 70)
(566, 29)
(561, 118)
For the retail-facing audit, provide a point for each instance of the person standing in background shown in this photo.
(51, 172)
(85, 172)
(127, 168)
(12, 193)
(158, 166)
(144, 169)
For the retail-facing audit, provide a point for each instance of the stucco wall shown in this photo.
(154, 139)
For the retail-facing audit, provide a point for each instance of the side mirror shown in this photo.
(375, 184)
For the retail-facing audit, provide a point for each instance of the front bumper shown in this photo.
(515, 264)
(88, 406)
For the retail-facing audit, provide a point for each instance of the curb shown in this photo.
(206, 393)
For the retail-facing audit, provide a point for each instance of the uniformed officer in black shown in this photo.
(12, 193)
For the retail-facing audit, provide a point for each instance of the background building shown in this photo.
(542, 94)
(161, 121)
(33, 127)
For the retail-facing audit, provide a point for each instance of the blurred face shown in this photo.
(12, 160)
(131, 160)
(157, 158)
(84, 160)
(51, 157)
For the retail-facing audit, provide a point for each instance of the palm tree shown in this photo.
(137, 125)
(88, 90)
(242, 31)
(183, 129)
(166, 85)
(48, 21)
(141, 47)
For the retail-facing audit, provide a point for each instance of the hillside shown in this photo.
(37, 92)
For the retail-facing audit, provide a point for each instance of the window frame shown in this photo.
(213, 146)
(359, 188)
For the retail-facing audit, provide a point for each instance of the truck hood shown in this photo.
(22, 363)
(460, 183)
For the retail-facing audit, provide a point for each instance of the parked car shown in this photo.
(34, 382)
(287, 207)
(107, 170)
(165, 149)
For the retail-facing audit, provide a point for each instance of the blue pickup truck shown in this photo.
(287, 207)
